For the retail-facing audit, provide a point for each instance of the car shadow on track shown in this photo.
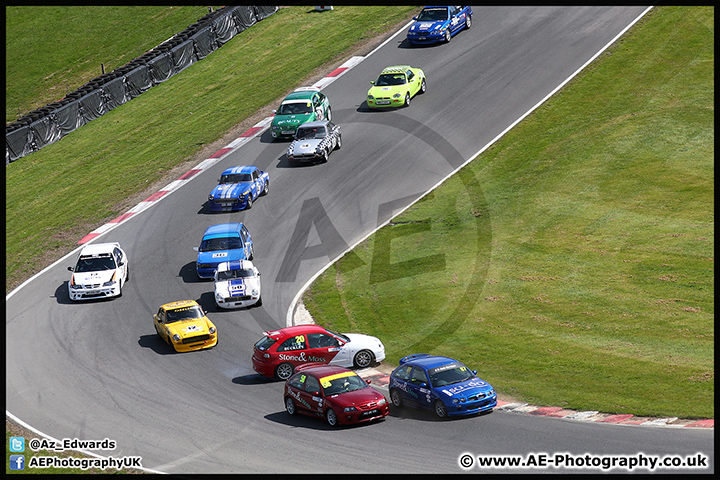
(157, 344)
(411, 413)
(319, 423)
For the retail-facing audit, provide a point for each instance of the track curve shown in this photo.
(97, 370)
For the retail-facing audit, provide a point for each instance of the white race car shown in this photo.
(237, 284)
(101, 271)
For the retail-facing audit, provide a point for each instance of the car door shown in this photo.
(400, 381)
(419, 387)
(121, 265)
(325, 348)
(247, 242)
(159, 320)
(455, 18)
(413, 83)
(313, 395)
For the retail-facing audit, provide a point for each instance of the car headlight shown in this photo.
(382, 402)
(350, 409)
(397, 95)
(255, 292)
(176, 337)
(211, 330)
(370, 97)
(211, 198)
(109, 284)
(276, 127)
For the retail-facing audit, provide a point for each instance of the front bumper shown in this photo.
(471, 408)
(238, 302)
(189, 347)
(91, 293)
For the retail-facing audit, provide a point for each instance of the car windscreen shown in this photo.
(239, 273)
(184, 313)
(222, 243)
(342, 383)
(433, 15)
(389, 79)
(95, 264)
(236, 178)
(295, 108)
(448, 374)
(339, 335)
(310, 133)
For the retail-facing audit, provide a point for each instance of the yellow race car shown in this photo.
(184, 326)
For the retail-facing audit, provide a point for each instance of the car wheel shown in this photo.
(339, 143)
(266, 188)
(284, 371)
(468, 22)
(331, 417)
(363, 359)
(407, 99)
(440, 409)
(248, 203)
(395, 398)
(290, 406)
(325, 156)
(329, 114)
(448, 36)
(252, 253)
(423, 86)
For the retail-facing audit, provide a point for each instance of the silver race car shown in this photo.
(314, 141)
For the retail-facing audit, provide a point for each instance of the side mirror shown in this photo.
(368, 381)
(372, 82)
(474, 372)
(415, 18)
(71, 269)
(197, 249)
(274, 111)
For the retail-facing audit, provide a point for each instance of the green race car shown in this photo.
(396, 86)
(305, 104)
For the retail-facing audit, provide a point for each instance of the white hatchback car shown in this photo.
(101, 271)
(237, 284)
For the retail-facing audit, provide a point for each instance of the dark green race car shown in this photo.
(305, 104)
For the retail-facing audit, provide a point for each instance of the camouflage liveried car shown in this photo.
(314, 141)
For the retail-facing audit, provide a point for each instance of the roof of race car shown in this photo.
(223, 229)
(323, 369)
(294, 330)
(98, 248)
(240, 169)
(179, 304)
(426, 361)
(315, 123)
(303, 95)
(396, 69)
(234, 265)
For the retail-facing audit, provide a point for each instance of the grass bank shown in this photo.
(572, 263)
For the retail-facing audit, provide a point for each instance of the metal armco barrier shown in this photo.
(49, 124)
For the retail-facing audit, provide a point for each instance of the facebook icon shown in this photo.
(17, 462)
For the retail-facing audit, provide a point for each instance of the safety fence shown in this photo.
(100, 95)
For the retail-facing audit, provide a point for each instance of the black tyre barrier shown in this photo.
(207, 21)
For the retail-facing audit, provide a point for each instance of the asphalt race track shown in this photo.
(97, 370)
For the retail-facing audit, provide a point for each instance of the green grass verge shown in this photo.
(572, 262)
(68, 46)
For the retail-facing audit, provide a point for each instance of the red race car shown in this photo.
(280, 351)
(336, 393)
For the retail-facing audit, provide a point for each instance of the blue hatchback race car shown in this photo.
(238, 188)
(441, 384)
(439, 24)
(223, 243)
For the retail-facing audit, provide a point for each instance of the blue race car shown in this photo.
(223, 243)
(441, 384)
(238, 188)
(439, 24)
